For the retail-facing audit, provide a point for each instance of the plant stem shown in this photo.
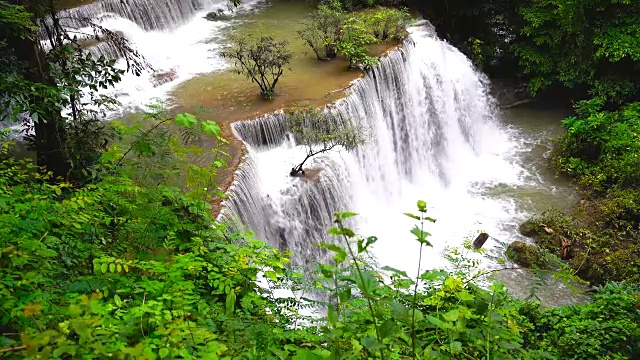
(366, 293)
(415, 293)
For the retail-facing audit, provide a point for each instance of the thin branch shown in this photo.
(144, 134)
(15, 348)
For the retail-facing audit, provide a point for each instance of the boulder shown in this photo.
(162, 77)
(523, 254)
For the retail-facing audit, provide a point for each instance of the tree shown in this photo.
(320, 133)
(387, 23)
(262, 60)
(54, 88)
(353, 46)
(590, 46)
(322, 31)
(484, 30)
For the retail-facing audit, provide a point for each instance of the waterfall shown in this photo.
(434, 134)
(147, 14)
(189, 42)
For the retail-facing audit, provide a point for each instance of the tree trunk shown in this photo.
(50, 134)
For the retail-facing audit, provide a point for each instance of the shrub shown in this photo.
(607, 327)
(353, 46)
(386, 23)
(262, 60)
(322, 31)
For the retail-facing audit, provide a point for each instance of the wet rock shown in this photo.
(529, 228)
(523, 254)
(162, 77)
(218, 15)
(480, 240)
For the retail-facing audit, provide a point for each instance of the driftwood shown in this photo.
(480, 240)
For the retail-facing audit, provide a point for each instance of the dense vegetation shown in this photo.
(108, 247)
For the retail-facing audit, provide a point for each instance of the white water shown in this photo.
(171, 35)
(435, 136)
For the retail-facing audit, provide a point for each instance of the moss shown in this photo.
(523, 254)
(529, 228)
(593, 251)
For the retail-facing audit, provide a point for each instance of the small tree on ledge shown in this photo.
(262, 60)
(320, 133)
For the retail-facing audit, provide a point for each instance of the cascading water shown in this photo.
(172, 36)
(147, 14)
(433, 136)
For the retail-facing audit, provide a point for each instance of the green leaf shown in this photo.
(415, 217)
(164, 352)
(341, 216)
(465, 296)
(332, 315)
(342, 231)
(271, 275)
(117, 300)
(307, 355)
(363, 244)
(366, 282)
(404, 313)
(230, 303)
(340, 254)
(437, 322)
(345, 295)
(387, 328)
(104, 268)
(371, 343)
(451, 315)
(112, 267)
(456, 347)
(327, 270)
(143, 147)
(186, 119)
(432, 275)
(396, 271)
(210, 127)
(421, 235)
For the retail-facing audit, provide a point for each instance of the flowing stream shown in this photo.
(435, 134)
(172, 36)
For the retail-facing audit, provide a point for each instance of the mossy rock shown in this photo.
(529, 228)
(523, 254)
(542, 234)
(218, 16)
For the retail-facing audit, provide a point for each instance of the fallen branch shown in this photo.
(15, 348)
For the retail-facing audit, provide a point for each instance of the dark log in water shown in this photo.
(480, 240)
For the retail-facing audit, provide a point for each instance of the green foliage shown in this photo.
(321, 132)
(386, 23)
(330, 31)
(119, 268)
(353, 45)
(601, 152)
(602, 148)
(608, 327)
(52, 87)
(128, 268)
(485, 31)
(440, 314)
(262, 60)
(322, 31)
(589, 45)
